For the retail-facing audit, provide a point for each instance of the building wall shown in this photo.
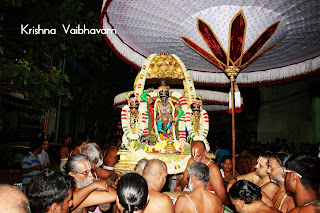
(285, 113)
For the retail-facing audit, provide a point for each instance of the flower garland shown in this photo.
(204, 127)
(129, 134)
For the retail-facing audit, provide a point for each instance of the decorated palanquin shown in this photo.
(161, 123)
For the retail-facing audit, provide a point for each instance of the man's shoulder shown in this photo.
(212, 197)
(212, 165)
(311, 208)
(271, 186)
(159, 201)
(29, 157)
(158, 196)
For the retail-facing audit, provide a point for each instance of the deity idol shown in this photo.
(166, 113)
(197, 122)
(133, 119)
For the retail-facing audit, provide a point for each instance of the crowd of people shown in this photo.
(86, 182)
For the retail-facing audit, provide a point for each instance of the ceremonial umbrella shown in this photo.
(218, 39)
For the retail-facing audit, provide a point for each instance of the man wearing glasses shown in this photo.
(302, 179)
(281, 200)
(87, 192)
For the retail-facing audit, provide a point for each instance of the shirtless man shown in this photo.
(155, 173)
(13, 200)
(85, 193)
(242, 162)
(79, 143)
(94, 154)
(111, 158)
(261, 178)
(302, 180)
(246, 197)
(281, 200)
(200, 199)
(198, 154)
(64, 152)
(227, 175)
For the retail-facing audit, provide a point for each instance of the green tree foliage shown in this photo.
(107, 74)
(38, 86)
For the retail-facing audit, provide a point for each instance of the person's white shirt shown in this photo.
(43, 157)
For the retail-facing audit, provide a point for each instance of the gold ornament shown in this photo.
(164, 65)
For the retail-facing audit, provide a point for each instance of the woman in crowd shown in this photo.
(132, 191)
(246, 197)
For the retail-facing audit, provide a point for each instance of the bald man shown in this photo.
(215, 184)
(155, 173)
(13, 200)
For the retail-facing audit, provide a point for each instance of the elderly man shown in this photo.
(198, 154)
(155, 173)
(85, 192)
(261, 178)
(200, 199)
(13, 200)
(94, 154)
(303, 181)
(281, 200)
(31, 164)
(140, 166)
(50, 191)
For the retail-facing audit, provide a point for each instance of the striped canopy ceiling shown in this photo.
(144, 27)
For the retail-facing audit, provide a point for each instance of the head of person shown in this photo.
(226, 163)
(35, 147)
(198, 151)
(243, 152)
(140, 166)
(93, 140)
(276, 166)
(50, 191)
(79, 167)
(302, 169)
(262, 164)
(93, 153)
(198, 174)
(155, 172)
(80, 141)
(13, 200)
(132, 191)
(244, 193)
(45, 145)
(67, 140)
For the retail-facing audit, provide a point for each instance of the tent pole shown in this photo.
(232, 72)
(233, 128)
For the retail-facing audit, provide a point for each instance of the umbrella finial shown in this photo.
(232, 72)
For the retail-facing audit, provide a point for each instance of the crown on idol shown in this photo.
(196, 104)
(163, 90)
(132, 99)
